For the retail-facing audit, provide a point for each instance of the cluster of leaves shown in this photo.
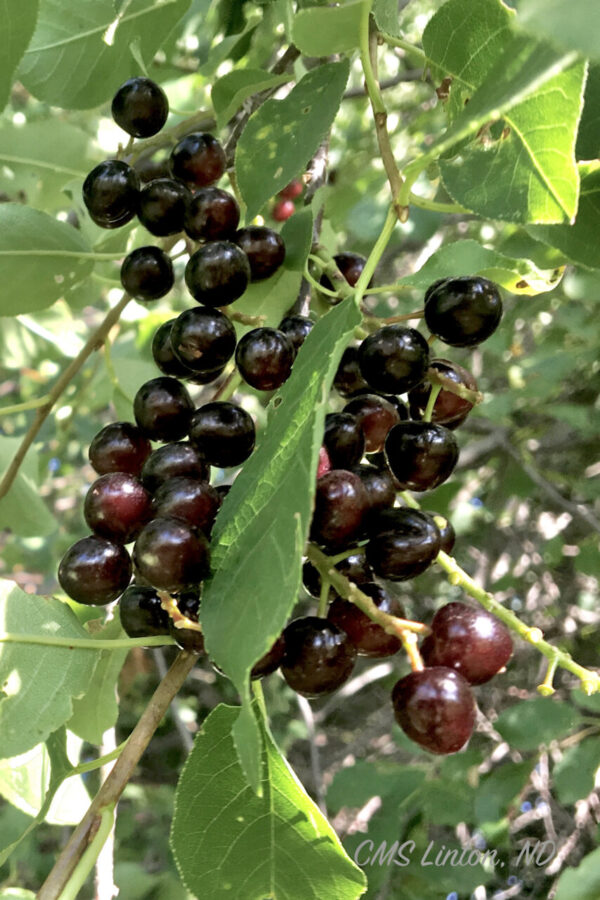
(513, 140)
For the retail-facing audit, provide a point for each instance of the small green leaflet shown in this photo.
(579, 242)
(588, 136)
(519, 276)
(582, 883)
(530, 723)
(570, 23)
(323, 30)
(521, 169)
(387, 16)
(18, 24)
(261, 530)
(277, 845)
(80, 52)
(230, 91)
(574, 775)
(38, 682)
(282, 135)
(41, 259)
(23, 510)
(273, 297)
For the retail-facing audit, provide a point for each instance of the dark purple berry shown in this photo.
(203, 339)
(198, 159)
(141, 612)
(421, 455)
(263, 247)
(110, 193)
(162, 353)
(95, 571)
(188, 639)
(435, 708)
(446, 530)
(140, 107)
(212, 215)
(162, 206)
(319, 656)
(171, 555)
(403, 543)
(340, 505)
(354, 567)
(297, 329)
(264, 357)
(119, 447)
(270, 661)
(463, 311)
(162, 409)
(171, 461)
(348, 378)
(394, 359)
(344, 440)
(147, 273)
(449, 409)
(350, 265)
(192, 501)
(117, 506)
(218, 273)
(380, 488)
(376, 416)
(368, 637)
(223, 433)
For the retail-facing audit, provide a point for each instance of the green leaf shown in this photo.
(446, 803)
(97, 710)
(282, 135)
(22, 510)
(355, 785)
(261, 529)
(273, 297)
(519, 276)
(575, 775)
(582, 883)
(523, 169)
(579, 242)
(569, 23)
(230, 91)
(16, 894)
(40, 158)
(25, 781)
(530, 723)
(588, 137)
(386, 16)
(246, 847)
(39, 682)
(18, 23)
(323, 30)
(80, 53)
(41, 259)
(497, 790)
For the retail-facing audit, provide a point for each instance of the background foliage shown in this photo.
(502, 162)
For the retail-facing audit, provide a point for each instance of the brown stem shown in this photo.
(116, 782)
(94, 342)
(460, 390)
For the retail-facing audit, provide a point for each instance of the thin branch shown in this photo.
(116, 782)
(406, 75)
(182, 730)
(94, 342)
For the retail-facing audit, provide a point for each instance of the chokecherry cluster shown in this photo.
(375, 444)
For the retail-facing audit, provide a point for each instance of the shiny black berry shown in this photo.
(463, 311)
(270, 661)
(403, 543)
(379, 485)
(376, 416)
(198, 159)
(348, 378)
(203, 339)
(110, 193)
(117, 506)
(421, 455)
(162, 353)
(162, 206)
(264, 248)
(297, 328)
(449, 409)
(119, 447)
(140, 107)
(350, 265)
(340, 505)
(446, 530)
(319, 656)
(264, 357)
(223, 433)
(212, 215)
(141, 612)
(394, 359)
(147, 273)
(192, 501)
(171, 461)
(95, 571)
(162, 409)
(354, 567)
(344, 440)
(368, 637)
(171, 555)
(435, 708)
(218, 273)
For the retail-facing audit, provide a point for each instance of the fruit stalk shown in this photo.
(113, 787)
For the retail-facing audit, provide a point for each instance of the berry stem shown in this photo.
(433, 395)
(115, 784)
(319, 287)
(229, 386)
(436, 205)
(323, 597)
(95, 341)
(590, 680)
(23, 407)
(349, 591)
(7, 637)
(368, 59)
(460, 390)
(405, 45)
(546, 688)
(411, 648)
(375, 255)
